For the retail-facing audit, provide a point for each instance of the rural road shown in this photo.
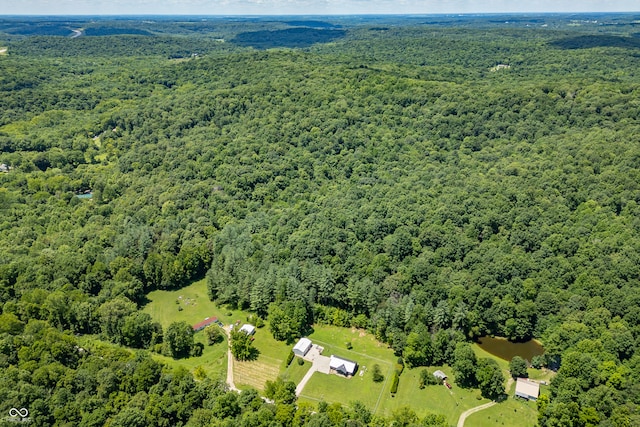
(468, 412)
(3, 50)
(76, 33)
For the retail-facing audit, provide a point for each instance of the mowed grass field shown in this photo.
(195, 304)
(256, 373)
(510, 413)
(436, 399)
(213, 359)
(365, 349)
(195, 307)
(295, 372)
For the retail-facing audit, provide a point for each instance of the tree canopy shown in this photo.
(429, 181)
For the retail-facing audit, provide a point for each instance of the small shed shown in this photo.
(440, 375)
(248, 329)
(302, 347)
(206, 322)
(527, 389)
(343, 366)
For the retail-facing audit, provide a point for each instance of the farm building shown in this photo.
(206, 322)
(248, 329)
(440, 375)
(343, 366)
(302, 347)
(527, 389)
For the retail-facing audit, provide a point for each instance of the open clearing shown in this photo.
(192, 305)
(510, 413)
(365, 349)
(435, 399)
(255, 373)
(196, 307)
(213, 359)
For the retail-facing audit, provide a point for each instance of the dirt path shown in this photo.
(76, 33)
(468, 412)
(230, 383)
(3, 50)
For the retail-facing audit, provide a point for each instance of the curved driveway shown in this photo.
(468, 412)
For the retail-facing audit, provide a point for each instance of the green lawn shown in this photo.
(295, 372)
(335, 388)
(435, 399)
(510, 413)
(195, 304)
(480, 353)
(270, 348)
(365, 350)
(213, 359)
(195, 307)
(361, 342)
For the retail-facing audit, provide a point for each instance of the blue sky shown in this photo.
(303, 7)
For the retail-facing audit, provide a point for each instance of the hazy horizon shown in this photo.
(310, 7)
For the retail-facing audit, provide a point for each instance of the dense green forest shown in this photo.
(430, 182)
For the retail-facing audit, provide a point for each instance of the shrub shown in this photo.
(214, 334)
(377, 374)
(537, 361)
(349, 345)
(290, 357)
(394, 383)
(426, 378)
(196, 350)
(300, 361)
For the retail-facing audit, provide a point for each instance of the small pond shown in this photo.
(504, 349)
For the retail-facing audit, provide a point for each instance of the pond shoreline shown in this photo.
(505, 349)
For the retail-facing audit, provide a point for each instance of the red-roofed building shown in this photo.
(206, 322)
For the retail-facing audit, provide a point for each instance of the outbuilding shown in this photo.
(440, 375)
(527, 389)
(302, 347)
(206, 322)
(248, 329)
(343, 366)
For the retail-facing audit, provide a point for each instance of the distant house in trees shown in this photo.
(440, 375)
(248, 329)
(302, 347)
(206, 322)
(527, 389)
(343, 366)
